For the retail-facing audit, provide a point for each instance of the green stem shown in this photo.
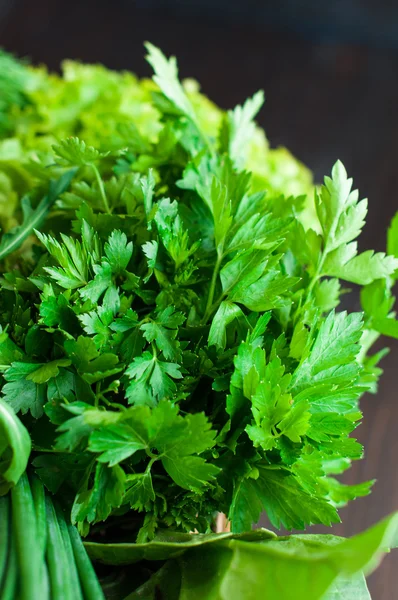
(149, 466)
(101, 188)
(276, 468)
(316, 276)
(212, 289)
(312, 284)
(97, 394)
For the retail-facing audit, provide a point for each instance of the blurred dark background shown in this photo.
(330, 74)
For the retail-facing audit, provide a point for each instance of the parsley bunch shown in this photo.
(170, 333)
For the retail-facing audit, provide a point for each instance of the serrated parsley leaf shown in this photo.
(72, 258)
(286, 502)
(151, 379)
(55, 311)
(24, 396)
(118, 252)
(96, 503)
(74, 152)
(25, 389)
(342, 217)
(116, 443)
(166, 76)
(139, 491)
(241, 128)
(332, 358)
(178, 440)
(361, 269)
(92, 365)
(176, 327)
(163, 331)
(97, 323)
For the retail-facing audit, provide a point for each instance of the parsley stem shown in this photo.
(315, 277)
(97, 394)
(212, 289)
(101, 188)
(149, 466)
(313, 281)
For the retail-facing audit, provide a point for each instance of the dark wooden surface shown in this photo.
(323, 102)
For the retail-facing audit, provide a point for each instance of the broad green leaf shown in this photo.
(166, 544)
(302, 567)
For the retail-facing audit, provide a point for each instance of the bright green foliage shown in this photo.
(172, 339)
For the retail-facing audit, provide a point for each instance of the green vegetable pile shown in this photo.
(170, 344)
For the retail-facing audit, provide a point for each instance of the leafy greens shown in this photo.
(170, 333)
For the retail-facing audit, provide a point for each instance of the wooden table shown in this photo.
(323, 103)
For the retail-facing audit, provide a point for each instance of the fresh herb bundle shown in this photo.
(170, 338)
